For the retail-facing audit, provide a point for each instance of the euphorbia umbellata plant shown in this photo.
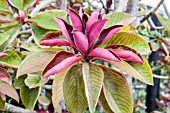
(82, 82)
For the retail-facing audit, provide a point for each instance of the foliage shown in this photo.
(62, 49)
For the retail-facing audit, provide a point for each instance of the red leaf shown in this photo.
(4, 75)
(107, 33)
(53, 39)
(62, 65)
(95, 30)
(61, 61)
(8, 6)
(93, 18)
(21, 15)
(75, 20)
(81, 12)
(65, 29)
(4, 21)
(2, 54)
(126, 53)
(60, 56)
(103, 54)
(81, 41)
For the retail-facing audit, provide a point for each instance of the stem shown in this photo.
(90, 3)
(152, 12)
(121, 6)
(104, 6)
(166, 10)
(161, 77)
(42, 5)
(158, 68)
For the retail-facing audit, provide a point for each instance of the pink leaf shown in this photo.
(9, 6)
(65, 29)
(75, 20)
(4, 75)
(60, 56)
(95, 30)
(126, 53)
(107, 33)
(93, 18)
(32, 4)
(21, 15)
(62, 65)
(81, 41)
(54, 42)
(53, 39)
(2, 54)
(103, 54)
(81, 12)
(4, 21)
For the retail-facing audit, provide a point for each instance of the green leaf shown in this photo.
(165, 22)
(57, 88)
(93, 79)
(74, 91)
(44, 100)
(35, 80)
(127, 68)
(131, 40)
(13, 32)
(119, 18)
(29, 97)
(35, 61)
(129, 28)
(19, 82)
(46, 19)
(116, 91)
(2, 103)
(11, 60)
(104, 103)
(143, 13)
(8, 25)
(3, 6)
(38, 33)
(144, 70)
(3, 37)
(29, 46)
(27, 3)
(8, 90)
(19, 4)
